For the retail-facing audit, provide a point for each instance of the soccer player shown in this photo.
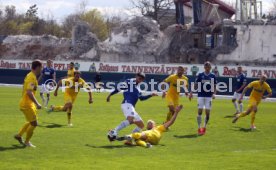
(29, 104)
(71, 70)
(259, 87)
(172, 96)
(131, 95)
(240, 85)
(206, 89)
(153, 134)
(49, 76)
(72, 88)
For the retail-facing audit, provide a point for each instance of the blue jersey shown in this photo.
(131, 92)
(206, 80)
(48, 74)
(241, 79)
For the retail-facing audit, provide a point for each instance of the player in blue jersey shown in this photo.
(48, 77)
(240, 85)
(206, 89)
(131, 95)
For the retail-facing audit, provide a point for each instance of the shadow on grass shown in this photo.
(13, 147)
(243, 129)
(187, 136)
(51, 125)
(229, 116)
(109, 146)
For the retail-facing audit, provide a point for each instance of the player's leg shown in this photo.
(243, 114)
(170, 113)
(208, 106)
(69, 107)
(21, 132)
(253, 114)
(29, 132)
(200, 101)
(128, 111)
(42, 91)
(47, 99)
(234, 101)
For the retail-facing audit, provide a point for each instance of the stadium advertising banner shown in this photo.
(190, 69)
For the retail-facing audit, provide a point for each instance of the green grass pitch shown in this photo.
(85, 146)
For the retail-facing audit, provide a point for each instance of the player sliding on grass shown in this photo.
(131, 95)
(153, 133)
(72, 88)
(29, 105)
(206, 89)
(259, 87)
(172, 96)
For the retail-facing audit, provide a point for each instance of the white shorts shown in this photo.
(44, 90)
(237, 96)
(129, 111)
(204, 103)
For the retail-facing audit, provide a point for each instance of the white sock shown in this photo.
(241, 107)
(199, 120)
(137, 129)
(236, 106)
(42, 97)
(123, 125)
(47, 101)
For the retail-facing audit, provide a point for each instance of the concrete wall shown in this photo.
(256, 44)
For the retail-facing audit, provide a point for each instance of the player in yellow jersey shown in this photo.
(29, 104)
(71, 70)
(259, 87)
(72, 87)
(153, 134)
(172, 95)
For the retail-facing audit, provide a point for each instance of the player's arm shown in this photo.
(171, 122)
(58, 85)
(249, 86)
(215, 88)
(243, 85)
(269, 91)
(117, 90)
(40, 76)
(163, 86)
(30, 94)
(89, 91)
(142, 98)
(54, 75)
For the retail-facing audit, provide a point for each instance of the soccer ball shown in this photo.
(112, 135)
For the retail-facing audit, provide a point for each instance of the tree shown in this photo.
(32, 12)
(69, 22)
(96, 22)
(153, 8)
(10, 12)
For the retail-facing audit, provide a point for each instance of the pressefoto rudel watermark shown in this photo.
(152, 85)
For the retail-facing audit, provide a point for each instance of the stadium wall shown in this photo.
(15, 76)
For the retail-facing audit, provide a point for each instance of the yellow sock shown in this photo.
(23, 129)
(136, 135)
(58, 108)
(30, 131)
(253, 117)
(242, 114)
(141, 143)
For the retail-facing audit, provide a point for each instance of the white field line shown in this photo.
(159, 93)
(255, 150)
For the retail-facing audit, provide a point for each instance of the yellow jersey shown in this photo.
(173, 81)
(258, 90)
(30, 83)
(154, 135)
(70, 73)
(75, 86)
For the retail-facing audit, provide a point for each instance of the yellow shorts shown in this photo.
(30, 113)
(69, 99)
(172, 101)
(253, 102)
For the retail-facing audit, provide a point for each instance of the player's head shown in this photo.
(180, 71)
(37, 66)
(49, 63)
(151, 124)
(239, 69)
(140, 77)
(263, 78)
(207, 66)
(72, 65)
(77, 74)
